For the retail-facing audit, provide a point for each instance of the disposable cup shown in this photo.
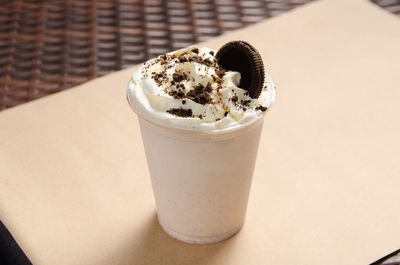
(201, 178)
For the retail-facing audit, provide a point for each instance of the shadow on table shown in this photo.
(153, 246)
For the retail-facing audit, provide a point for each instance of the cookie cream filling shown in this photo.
(188, 89)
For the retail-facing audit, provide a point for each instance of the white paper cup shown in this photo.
(201, 180)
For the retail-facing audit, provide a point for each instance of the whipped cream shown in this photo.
(187, 89)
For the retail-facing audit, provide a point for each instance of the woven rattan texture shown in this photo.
(48, 46)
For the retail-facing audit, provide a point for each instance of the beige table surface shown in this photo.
(74, 186)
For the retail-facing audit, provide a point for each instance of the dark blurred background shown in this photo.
(48, 46)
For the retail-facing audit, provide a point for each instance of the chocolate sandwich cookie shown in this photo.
(242, 57)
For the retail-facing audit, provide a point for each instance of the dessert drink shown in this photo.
(201, 115)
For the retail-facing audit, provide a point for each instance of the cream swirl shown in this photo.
(187, 89)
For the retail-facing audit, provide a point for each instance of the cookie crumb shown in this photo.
(262, 108)
(181, 112)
